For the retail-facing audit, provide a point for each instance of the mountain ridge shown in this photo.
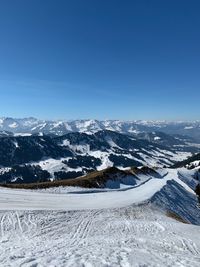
(76, 154)
(32, 125)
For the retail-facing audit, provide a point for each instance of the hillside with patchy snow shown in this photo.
(26, 159)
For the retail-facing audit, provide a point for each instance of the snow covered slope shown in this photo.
(149, 190)
(130, 237)
(134, 226)
(32, 125)
(191, 162)
(40, 158)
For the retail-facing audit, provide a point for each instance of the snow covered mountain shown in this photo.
(131, 217)
(38, 150)
(35, 126)
(40, 158)
(190, 163)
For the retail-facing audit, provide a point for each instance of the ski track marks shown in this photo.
(134, 236)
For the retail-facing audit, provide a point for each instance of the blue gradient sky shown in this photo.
(100, 59)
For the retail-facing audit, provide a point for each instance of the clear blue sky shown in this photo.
(100, 59)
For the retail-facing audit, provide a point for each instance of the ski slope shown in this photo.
(125, 227)
(127, 237)
(12, 199)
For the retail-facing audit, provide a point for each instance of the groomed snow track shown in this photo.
(12, 199)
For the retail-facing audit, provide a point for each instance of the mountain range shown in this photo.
(125, 192)
(35, 126)
(36, 158)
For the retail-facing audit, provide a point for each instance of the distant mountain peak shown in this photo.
(32, 125)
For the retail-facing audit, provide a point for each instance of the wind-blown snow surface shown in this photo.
(125, 227)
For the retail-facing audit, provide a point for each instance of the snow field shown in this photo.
(133, 236)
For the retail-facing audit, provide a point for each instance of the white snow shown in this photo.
(22, 134)
(13, 125)
(195, 163)
(188, 127)
(129, 237)
(55, 165)
(157, 138)
(26, 200)
(16, 144)
(92, 228)
(4, 170)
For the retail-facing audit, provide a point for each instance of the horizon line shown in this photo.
(102, 120)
